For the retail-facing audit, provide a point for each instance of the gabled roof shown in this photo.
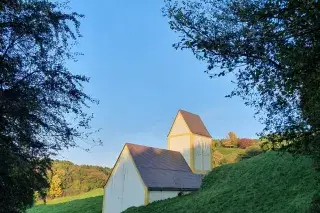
(195, 123)
(162, 169)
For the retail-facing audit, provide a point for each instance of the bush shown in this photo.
(244, 143)
(267, 145)
(216, 143)
(217, 159)
(219, 143)
(227, 143)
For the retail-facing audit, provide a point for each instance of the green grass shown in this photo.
(90, 202)
(265, 183)
(230, 154)
(262, 184)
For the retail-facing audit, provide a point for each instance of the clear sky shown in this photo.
(142, 81)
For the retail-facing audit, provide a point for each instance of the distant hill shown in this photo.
(266, 183)
(67, 178)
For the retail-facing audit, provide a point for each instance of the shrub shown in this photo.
(215, 143)
(268, 145)
(230, 159)
(217, 159)
(227, 143)
(244, 143)
(219, 143)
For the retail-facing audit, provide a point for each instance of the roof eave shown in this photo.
(171, 189)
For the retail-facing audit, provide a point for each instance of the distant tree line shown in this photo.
(232, 141)
(66, 178)
(237, 149)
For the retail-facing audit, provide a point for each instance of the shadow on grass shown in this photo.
(85, 205)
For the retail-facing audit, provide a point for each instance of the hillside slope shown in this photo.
(89, 202)
(266, 183)
(230, 155)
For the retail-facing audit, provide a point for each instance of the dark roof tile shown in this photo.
(195, 123)
(163, 169)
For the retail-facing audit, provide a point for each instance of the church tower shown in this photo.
(189, 136)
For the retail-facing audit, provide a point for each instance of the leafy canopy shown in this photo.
(233, 138)
(41, 102)
(75, 179)
(273, 49)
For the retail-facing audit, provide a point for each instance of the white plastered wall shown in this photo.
(202, 153)
(179, 126)
(182, 145)
(162, 195)
(125, 187)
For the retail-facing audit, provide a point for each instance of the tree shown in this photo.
(245, 142)
(55, 187)
(272, 47)
(233, 138)
(42, 104)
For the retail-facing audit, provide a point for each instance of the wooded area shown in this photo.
(67, 178)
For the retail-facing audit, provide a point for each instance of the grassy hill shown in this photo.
(265, 183)
(229, 154)
(90, 202)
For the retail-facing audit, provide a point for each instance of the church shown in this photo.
(143, 174)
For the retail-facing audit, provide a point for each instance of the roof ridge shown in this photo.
(195, 123)
(168, 169)
(134, 144)
(188, 112)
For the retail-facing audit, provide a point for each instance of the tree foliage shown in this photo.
(245, 142)
(227, 143)
(273, 49)
(41, 102)
(233, 138)
(215, 143)
(55, 189)
(67, 178)
(217, 159)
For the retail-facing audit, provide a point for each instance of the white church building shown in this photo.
(145, 174)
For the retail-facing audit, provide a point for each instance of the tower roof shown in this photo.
(194, 123)
(163, 169)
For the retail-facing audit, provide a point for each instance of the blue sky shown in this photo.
(142, 81)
